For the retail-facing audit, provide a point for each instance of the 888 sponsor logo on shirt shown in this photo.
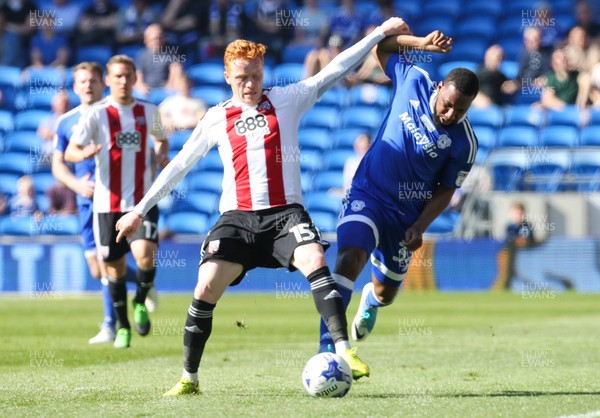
(129, 141)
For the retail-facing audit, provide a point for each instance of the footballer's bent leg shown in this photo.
(213, 278)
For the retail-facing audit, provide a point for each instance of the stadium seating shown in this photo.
(363, 117)
(211, 162)
(507, 168)
(482, 7)
(321, 117)
(512, 46)
(547, 171)
(58, 225)
(469, 49)
(324, 202)
(207, 74)
(444, 224)
(324, 221)
(518, 136)
(211, 95)
(444, 69)
(21, 226)
(15, 163)
(559, 136)
(486, 138)
(344, 138)
(311, 161)
(187, 223)
(369, 94)
(285, 74)
(510, 68)
(203, 202)
(585, 166)
(42, 181)
(481, 26)
(335, 159)
(315, 139)
(10, 77)
(42, 80)
(29, 120)
(98, 53)
(206, 181)
(524, 115)
(326, 180)
(295, 53)
(335, 97)
(569, 116)
(23, 141)
(590, 136)
(42, 100)
(157, 95)
(178, 138)
(8, 183)
(491, 116)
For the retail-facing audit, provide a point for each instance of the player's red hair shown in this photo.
(243, 49)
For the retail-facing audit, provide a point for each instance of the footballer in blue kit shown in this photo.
(423, 151)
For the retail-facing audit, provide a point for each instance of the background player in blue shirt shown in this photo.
(421, 154)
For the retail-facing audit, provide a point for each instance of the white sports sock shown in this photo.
(191, 376)
(341, 347)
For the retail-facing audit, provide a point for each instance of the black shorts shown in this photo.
(106, 235)
(264, 238)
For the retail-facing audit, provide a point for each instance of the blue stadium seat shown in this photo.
(326, 180)
(178, 138)
(187, 223)
(211, 162)
(490, 116)
(518, 136)
(324, 202)
(29, 120)
(481, 26)
(335, 159)
(284, 74)
(206, 181)
(15, 163)
(469, 49)
(321, 117)
(202, 202)
(431, 23)
(523, 115)
(344, 138)
(306, 179)
(324, 221)
(510, 27)
(41, 101)
(546, 173)
(512, 46)
(370, 94)
(23, 141)
(132, 51)
(594, 117)
(42, 80)
(486, 138)
(444, 69)
(10, 77)
(43, 202)
(211, 95)
(333, 97)
(8, 183)
(99, 53)
(295, 54)
(18, 225)
(364, 117)
(43, 181)
(311, 161)
(207, 74)
(157, 95)
(559, 136)
(482, 7)
(590, 136)
(585, 166)
(444, 223)
(315, 138)
(510, 69)
(507, 168)
(569, 116)
(59, 225)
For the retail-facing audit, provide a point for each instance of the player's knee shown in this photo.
(146, 262)
(309, 257)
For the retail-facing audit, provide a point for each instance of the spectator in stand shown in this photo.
(369, 72)
(226, 23)
(47, 127)
(49, 48)
(181, 111)
(347, 22)
(8, 53)
(19, 29)
(64, 15)
(155, 61)
(562, 84)
(551, 34)
(183, 22)
(317, 59)
(24, 202)
(385, 10)
(314, 32)
(62, 200)
(533, 63)
(491, 79)
(3, 204)
(361, 146)
(585, 18)
(97, 24)
(519, 230)
(132, 21)
(271, 28)
(580, 52)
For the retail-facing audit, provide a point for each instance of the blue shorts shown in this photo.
(86, 224)
(365, 223)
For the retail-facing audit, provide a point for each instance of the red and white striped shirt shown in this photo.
(123, 165)
(258, 145)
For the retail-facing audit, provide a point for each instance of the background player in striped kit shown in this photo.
(263, 222)
(117, 132)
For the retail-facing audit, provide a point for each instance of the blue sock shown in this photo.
(110, 318)
(345, 287)
(371, 301)
(131, 275)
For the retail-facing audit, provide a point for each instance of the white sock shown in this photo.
(190, 376)
(341, 347)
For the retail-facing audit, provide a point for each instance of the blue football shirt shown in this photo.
(411, 155)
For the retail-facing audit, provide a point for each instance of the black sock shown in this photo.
(198, 326)
(118, 293)
(329, 303)
(145, 281)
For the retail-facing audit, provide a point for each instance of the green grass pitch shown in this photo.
(432, 355)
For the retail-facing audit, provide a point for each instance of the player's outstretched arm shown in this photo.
(349, 59)
(439, 202)
(76, 153)
(436, 41)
